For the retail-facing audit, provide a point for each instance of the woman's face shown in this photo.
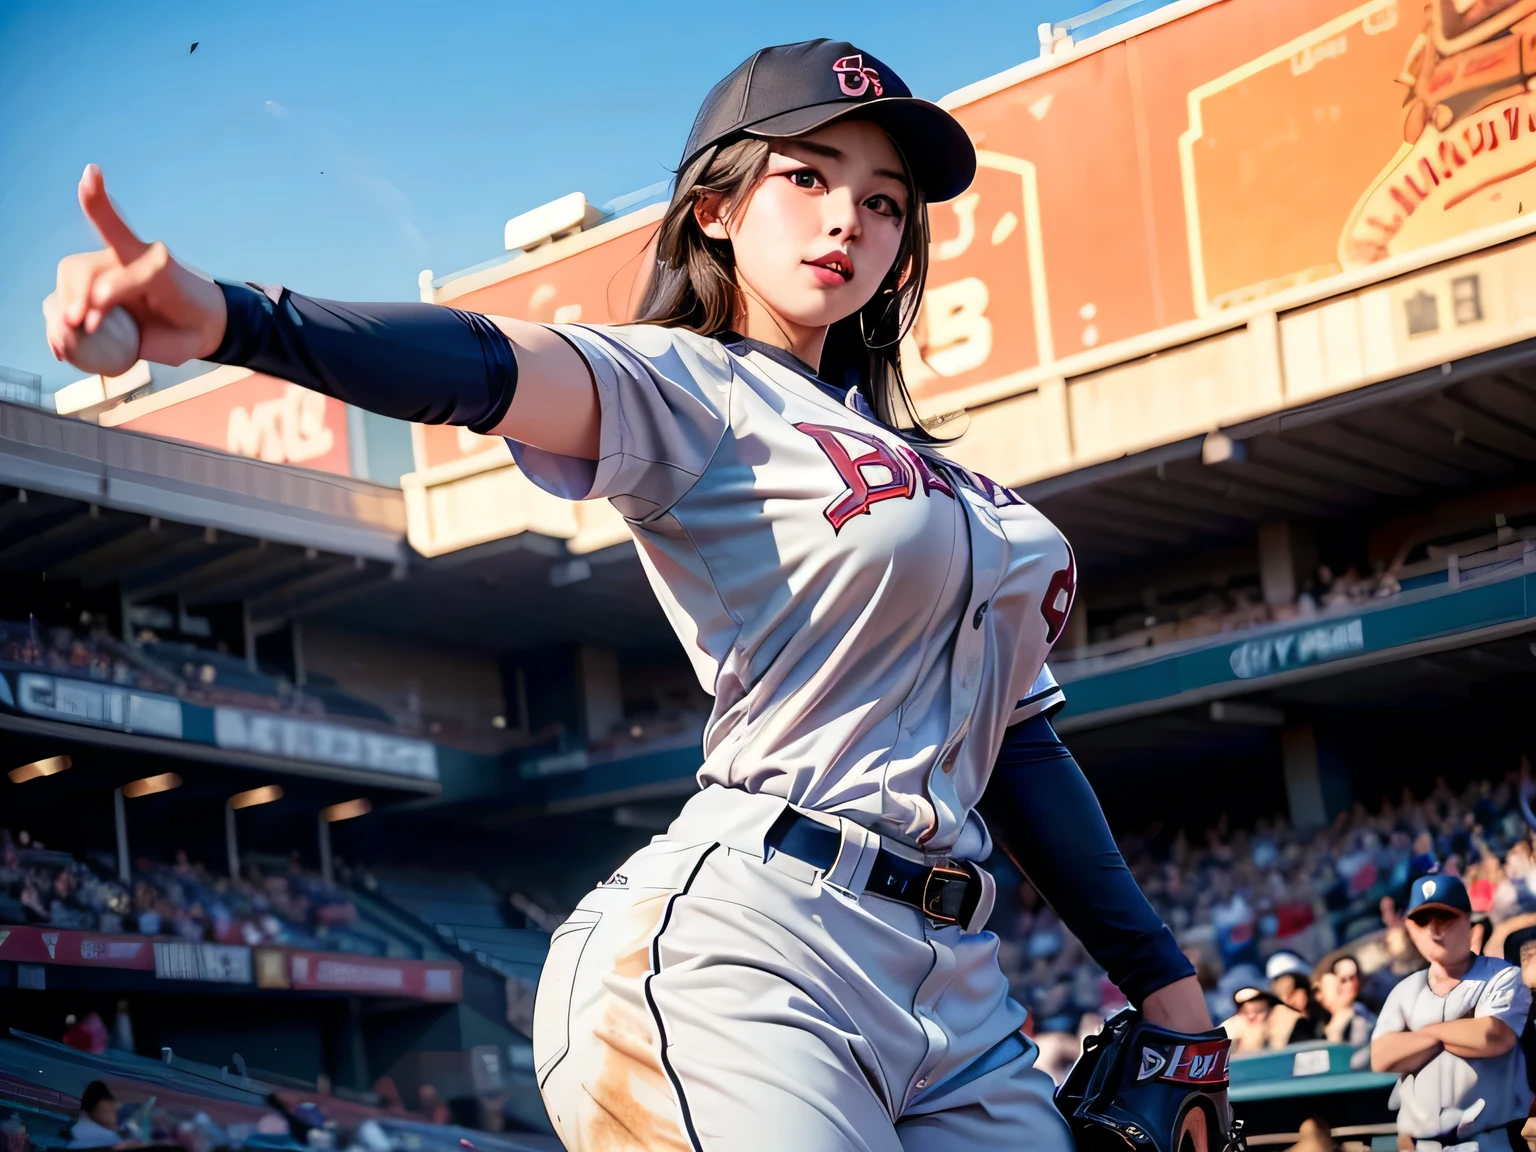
(1255, 1011)
(817, 237)
(1346, 974)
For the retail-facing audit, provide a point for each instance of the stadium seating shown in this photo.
(467, 914)
(176, 668)
(273, 902)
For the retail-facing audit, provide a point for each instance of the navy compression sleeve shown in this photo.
(1050, 819)
(418, 362)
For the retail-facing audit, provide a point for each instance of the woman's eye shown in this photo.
(803, 178)
(884, 205)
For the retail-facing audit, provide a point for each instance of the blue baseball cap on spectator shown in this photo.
(1438, 890)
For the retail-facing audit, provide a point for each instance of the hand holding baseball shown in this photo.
(128, 300)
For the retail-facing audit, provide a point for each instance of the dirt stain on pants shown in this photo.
(626, 1103)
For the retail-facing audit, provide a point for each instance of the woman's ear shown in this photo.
(709, 211)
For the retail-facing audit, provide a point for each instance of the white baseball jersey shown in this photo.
(868, 615)
(1451, 1094)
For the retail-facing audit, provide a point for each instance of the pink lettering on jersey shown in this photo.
(920, 467)
(985, 486)
(909, 472)
(1056, 604)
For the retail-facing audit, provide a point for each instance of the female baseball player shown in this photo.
(799, 962)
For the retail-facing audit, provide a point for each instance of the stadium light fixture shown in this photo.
(263, 795)
(346, 810)
(149, 785)
(48, 766)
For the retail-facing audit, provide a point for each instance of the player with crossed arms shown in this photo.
(1450, 1032)
(800, 961)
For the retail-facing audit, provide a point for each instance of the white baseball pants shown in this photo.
(706, 999)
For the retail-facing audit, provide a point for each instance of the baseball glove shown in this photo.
(1150, 1088)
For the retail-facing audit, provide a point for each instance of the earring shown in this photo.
(893, 298)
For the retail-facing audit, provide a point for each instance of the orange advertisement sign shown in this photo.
(1211, 160)
(251, 415)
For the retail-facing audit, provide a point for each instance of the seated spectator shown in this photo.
(1289, 980)
(1482, 928)
(1262, 1023)
(1338, 988)
(1405, 960)
(88, 1035)
(97, 1124)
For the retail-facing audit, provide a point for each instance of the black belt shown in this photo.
(945, 893)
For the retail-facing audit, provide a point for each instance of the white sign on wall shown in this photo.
(323, 743)
(103, 705)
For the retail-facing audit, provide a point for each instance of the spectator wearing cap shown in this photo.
(97, 1125)
(1290, 981)
(1261, 1023)
(1450, 1032)
(1338, 990)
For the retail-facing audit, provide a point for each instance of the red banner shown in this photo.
(252, 415)
(275, 967)
(370, 976)
(22, 945)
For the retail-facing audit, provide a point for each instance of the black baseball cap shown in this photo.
(792, 89)
(1439, 890)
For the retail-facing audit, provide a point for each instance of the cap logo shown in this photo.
(854, 79)
(1427, 888)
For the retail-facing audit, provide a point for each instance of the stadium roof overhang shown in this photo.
(101, 506)
(1459, 426)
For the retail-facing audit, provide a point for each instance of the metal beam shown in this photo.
(1163, 511)
(174, 547)
(1504, 438)
(84, 529)
(256, 575)
(1340, 440)
(366, 582)
(111, 555)
(282, 600)
(1414, 430)
(209, 569)
(1128, 526)
(1513, 399)
(1204, 493)
(1269, 489)
(22, 505)
(1316, 464)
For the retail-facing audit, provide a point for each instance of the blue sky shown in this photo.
(341, 147)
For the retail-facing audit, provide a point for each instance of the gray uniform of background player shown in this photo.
(1455, 1102)
(869, 623)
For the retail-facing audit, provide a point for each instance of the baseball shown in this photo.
(112, 349)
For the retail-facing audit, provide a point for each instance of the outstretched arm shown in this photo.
(1045, 809)
(413, 361)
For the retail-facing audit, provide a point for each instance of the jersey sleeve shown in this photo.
(1044, 698)
(663, 399)
(1506, 998)
(1394, 1013)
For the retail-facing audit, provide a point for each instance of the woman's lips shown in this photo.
(831, 270)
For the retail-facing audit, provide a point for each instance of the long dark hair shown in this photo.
(693, 285)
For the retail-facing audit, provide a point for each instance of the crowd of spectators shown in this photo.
(1474, 555)
(174, 668)
(1232, 608)
(284, 904)
(1288, 923)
